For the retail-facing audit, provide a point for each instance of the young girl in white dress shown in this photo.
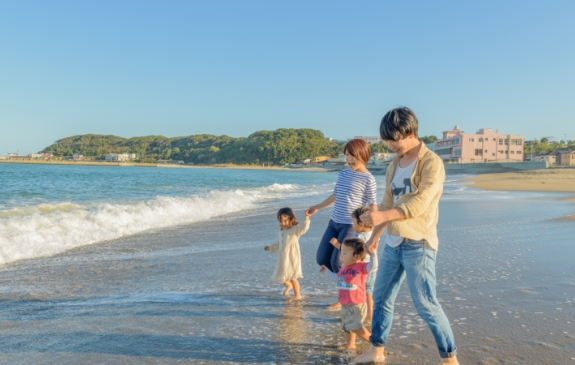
(288, 269)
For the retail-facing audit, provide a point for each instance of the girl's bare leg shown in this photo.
(296, 291)
(288, 288)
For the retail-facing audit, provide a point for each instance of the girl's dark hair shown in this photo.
(359, 149)
(358, 212)
(289, 212)
(357, 245)
(397, 124)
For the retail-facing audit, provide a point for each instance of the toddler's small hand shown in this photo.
(322, 269)
(267, 248)
(371, 246)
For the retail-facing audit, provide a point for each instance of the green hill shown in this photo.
(278, 147)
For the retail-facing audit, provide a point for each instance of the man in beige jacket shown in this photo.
(409, 210)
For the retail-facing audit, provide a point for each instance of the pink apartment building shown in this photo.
(483, 146)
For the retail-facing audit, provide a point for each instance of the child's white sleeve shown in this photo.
(372, 266)
(332, 276)
(300, 229)
(274, 246)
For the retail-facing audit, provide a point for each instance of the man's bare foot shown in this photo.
(335, 306)
(374, 354)
(449, 361)
(345, 346)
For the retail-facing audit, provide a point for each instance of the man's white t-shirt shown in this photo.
(400, 185)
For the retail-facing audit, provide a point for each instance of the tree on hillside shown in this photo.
(278, 147)
(428, 139)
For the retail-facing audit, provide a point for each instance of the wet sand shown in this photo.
(553, 180)
(200, 294)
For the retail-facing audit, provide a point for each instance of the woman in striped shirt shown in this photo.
(355, 188)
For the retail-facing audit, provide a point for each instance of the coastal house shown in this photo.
(456, 146)
(113, 157)
(77, 157)
(3, 158)
(546, 157)
(19, 158)
(369, 139)
(47, 156)
(566, 158)
(381, 157)
(36, 155)
(319, 159)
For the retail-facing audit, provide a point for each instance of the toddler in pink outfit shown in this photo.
(351, 280)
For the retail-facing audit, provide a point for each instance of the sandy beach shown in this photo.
(552, 180)
(200, 294)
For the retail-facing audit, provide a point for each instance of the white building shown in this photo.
(550, 159)
(113, 157)
(380, 157)
(369, 139)
(36, 155)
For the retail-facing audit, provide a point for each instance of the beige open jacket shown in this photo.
(421, 205)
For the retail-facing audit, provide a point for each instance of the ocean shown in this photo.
(128, 265)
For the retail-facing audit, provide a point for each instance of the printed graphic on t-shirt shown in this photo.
(342, 285)
(401, 190)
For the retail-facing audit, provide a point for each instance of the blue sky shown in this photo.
(175, 68)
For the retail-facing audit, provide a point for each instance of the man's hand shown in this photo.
(267, 248)
(322, 269)
(311, 211)
(373, 219)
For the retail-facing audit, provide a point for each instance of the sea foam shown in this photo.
(48, 229)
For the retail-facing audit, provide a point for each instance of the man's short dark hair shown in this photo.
(397, 124)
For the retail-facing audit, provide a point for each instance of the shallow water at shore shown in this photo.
(200, 294)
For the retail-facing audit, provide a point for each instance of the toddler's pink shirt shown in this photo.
(351, 283)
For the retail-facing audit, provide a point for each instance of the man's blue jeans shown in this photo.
(414, 261)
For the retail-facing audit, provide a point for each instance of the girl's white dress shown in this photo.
(289, 257)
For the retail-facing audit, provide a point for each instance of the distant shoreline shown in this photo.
(128, 164)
